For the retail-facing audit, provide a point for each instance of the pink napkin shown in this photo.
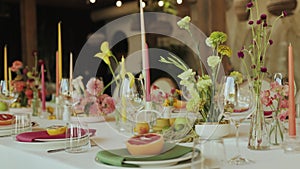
(31, 136)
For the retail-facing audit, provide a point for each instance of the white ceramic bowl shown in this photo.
(212, 131)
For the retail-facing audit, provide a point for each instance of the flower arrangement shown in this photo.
(167, 99)
(201, 89)
(257, 49)
(26, 83)
(276, 99)
(92, 101)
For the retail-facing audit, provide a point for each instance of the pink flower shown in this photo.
(16, 66)
(107, 104)
(94, 86)
(283, 104)
(265, 98)
(29, 93)
(18, 86)
(94, 109)
(282, 115)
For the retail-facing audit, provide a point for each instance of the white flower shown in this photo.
(184, 23)
(213, 61)
(209, 43)
(186, 75)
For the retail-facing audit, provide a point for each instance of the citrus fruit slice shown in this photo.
(145, 144)
(56, 130)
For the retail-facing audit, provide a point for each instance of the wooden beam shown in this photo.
(28, 30)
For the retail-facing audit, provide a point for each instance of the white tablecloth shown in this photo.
(17, 156)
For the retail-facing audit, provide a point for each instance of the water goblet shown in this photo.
(7, 95)
(130, 100)
(237, 101)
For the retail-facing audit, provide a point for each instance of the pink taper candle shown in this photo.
(43, 88)
(145, 56)
(292, 120)
(57, 74)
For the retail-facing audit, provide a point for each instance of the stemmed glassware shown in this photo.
(131, 99)
(7, 95)
(237, 100)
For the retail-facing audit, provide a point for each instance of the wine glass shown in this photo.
(237, 101)
(130, 100)
(7, 95)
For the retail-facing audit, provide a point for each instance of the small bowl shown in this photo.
(212, 130)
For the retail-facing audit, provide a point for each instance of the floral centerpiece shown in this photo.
(200, 90)
(276, 99)
(91, 100)
(26, 83)
(257, 52)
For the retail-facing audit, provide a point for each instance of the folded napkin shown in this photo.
(32, 136)
(117, 157)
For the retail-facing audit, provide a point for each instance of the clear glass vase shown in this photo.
(276, 131)
(258, 136)
(36, 104)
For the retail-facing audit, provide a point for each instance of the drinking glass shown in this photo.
(237, 101)
(21, 124)
(7, 95)
(130, 100)
(78, 137)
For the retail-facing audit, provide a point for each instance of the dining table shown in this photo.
(16, 155)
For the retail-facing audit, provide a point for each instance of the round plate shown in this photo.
(162, 163)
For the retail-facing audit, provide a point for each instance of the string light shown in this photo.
(160, 3)
(179, 2)
(92, 1)
(119, 3)
(143, 4)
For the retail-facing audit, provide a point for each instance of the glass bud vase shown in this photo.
(36, 104)
(277, 130)
(258, 136)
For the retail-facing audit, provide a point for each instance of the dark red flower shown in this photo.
(284, 13)
(258, 22)
(263, 69)
(250, 22)
(265, 24)
(41, 62)
(241, 54)
(263, 16)
(270, 41)
(249, 4)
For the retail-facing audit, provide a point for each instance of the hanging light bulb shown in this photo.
(143, 4)
(179, 2)
(92, 1)
(160, 3)
(119, 3)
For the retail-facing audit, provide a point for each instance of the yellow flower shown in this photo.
(224, 50)
(105, 54)
(238, 77)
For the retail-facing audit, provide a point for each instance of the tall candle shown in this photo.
(5, 63)
(59, 51)
(43, 89)
(9, 79)
(145, 56)
(57, 75)
(292, 120)
(71, 72)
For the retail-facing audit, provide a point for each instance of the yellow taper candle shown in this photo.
(5, 63)
(59, 52)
